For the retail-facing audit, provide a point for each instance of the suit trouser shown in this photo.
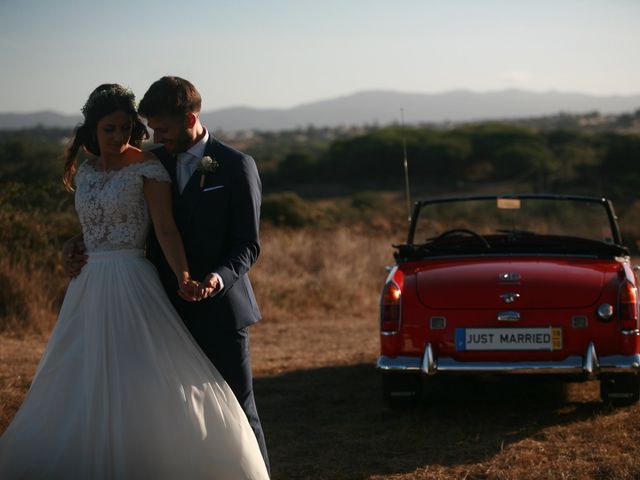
(229, 353)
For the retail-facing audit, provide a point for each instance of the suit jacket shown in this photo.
(219, 225)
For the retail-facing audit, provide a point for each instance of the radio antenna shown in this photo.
(406, 165)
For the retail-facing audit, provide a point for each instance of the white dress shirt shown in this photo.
(187, 162)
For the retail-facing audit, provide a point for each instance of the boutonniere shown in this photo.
(206, 165)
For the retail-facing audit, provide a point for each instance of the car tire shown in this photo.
(620, 389)
(401, 389)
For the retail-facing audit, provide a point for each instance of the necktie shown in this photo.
(183, 170)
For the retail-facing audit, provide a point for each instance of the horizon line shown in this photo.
(361, 92)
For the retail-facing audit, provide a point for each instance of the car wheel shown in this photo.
(401, 389)
(620, 389)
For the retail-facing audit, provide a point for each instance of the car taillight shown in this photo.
(390, 309)
(628, 306)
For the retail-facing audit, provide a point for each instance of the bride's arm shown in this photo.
(158, 197)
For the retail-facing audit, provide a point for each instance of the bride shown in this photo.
(122, 390)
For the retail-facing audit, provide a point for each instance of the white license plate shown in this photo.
(546, 338)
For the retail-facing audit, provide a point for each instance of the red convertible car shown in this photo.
(525, 284)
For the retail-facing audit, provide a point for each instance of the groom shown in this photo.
(216, 203)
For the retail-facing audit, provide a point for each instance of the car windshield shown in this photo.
(513, 224)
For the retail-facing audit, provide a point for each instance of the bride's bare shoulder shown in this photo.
(139, 156)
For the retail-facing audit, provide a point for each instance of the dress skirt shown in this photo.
(123, 391)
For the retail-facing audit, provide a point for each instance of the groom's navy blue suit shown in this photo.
(219, 224)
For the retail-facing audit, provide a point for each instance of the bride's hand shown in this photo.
(188, 288)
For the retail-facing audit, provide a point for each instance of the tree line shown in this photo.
(470, 157)
(462, 159)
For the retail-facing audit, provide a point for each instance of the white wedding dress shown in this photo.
(122, 390)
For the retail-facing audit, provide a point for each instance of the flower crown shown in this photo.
(112, 91)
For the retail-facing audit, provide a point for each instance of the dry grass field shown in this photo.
(318, 392)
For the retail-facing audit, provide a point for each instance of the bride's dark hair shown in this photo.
(104, 100)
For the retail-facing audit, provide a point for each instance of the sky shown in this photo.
(283, 53)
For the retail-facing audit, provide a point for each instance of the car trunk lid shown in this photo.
(510, 284)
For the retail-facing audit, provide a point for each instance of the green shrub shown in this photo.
(287, 209)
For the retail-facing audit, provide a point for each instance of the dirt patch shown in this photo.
(319, 399)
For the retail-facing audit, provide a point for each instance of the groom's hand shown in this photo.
(73, 256)
(209, 286)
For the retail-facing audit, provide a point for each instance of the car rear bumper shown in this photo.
(589, 364)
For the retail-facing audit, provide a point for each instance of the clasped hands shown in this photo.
(194, 291)
(74, 258)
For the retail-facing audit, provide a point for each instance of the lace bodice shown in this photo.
(111, 205)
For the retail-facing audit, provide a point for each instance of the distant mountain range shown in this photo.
(382, 108)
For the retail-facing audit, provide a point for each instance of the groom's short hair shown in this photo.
(172, 96)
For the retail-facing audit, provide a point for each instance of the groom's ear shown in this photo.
(190, 119)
